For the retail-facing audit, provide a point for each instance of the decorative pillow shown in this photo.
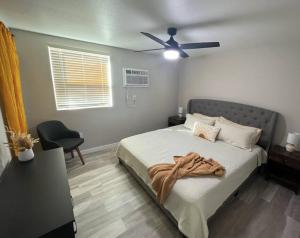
(237, 135)
(190, 121)
(204, 117)
(206, 131)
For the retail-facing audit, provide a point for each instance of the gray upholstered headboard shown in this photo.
(239, 113)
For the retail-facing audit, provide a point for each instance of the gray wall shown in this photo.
(5, 156)
(265, 76)
(100, 126)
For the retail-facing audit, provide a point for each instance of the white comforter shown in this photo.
(192, 200)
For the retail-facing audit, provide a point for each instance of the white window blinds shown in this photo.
(80, 79)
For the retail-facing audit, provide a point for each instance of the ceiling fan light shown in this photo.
(171, 54)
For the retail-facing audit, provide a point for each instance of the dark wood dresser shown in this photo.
(35, 198)
(284, 167)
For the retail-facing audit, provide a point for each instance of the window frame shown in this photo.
(109, 77)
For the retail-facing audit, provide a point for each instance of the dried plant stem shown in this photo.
(20, 141)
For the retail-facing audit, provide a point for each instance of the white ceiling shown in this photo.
(235, 23)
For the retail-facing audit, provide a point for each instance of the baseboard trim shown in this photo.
(99, 148)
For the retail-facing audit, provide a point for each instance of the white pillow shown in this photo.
(190, 121)
(237, 135)
(256, 131)
(204, 117)
(206, 131)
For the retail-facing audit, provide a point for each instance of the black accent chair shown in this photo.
(54, 134)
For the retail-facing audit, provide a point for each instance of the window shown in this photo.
(80, 79)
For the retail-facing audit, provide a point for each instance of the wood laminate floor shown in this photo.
(109, 203)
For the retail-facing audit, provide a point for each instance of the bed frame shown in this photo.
(240, 113)
(164, 210)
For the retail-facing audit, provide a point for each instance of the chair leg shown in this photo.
(72, 154)
(80, 155)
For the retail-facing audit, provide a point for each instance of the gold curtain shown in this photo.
(10, 84)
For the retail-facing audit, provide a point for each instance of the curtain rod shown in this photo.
(10, 32)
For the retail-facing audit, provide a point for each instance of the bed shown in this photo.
(193, 200)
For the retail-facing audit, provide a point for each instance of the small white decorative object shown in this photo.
(26, 155)
(292, 141)
(180, 111)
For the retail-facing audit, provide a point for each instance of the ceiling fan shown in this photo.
(173, 49)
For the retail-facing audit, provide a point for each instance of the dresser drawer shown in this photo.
(292, 164)
(277, 158)
(289, 162)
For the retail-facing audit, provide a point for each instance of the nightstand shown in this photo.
(284, 167)
(175, 120)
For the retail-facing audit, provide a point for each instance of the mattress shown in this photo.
(193, 199)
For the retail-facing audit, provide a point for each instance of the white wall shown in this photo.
(265, 76)
(5, 156)
(100, 126)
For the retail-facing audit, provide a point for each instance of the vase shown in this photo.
(26, 155)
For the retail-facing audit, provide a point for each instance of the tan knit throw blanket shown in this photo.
(164, 176)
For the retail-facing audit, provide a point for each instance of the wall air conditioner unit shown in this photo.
(135, 77)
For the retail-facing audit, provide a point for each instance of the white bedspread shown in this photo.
(192, 200)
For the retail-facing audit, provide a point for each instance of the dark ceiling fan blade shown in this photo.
(152, 37)
(149, 50)
(199, 45)
(182, 53)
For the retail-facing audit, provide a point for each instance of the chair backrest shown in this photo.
(51, 130)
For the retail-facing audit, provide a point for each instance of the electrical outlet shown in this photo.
(134, 99)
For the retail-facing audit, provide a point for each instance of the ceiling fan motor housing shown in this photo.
(172, 31)
(172, 43)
